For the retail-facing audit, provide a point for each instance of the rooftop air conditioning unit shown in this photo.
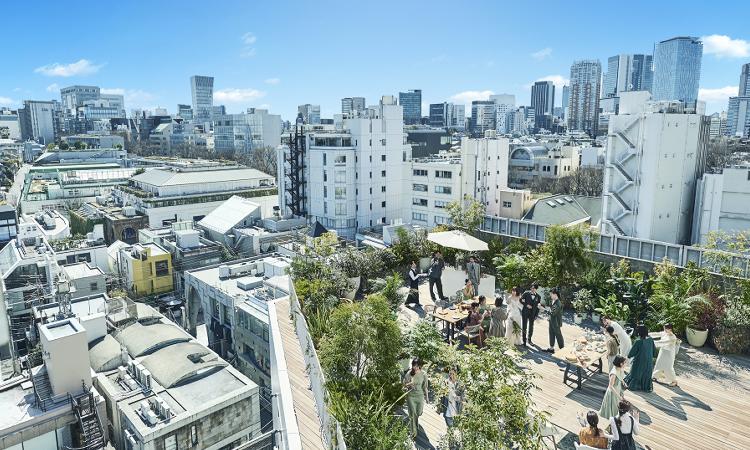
(224, 272)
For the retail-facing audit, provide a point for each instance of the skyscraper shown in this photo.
(38, 122)
(738, 117)
(352, 104)
(745, 81)
(543, 102)
(504, 103)
(310, 113)
(677, 69)
(627, 73)
(202, 89)
(482, 116)
(583, 108)
(565, 99)
(411, 102)
(439, 114)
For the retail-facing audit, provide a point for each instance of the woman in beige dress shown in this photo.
(668, 345)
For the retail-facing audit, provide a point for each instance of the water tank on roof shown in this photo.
(188, 238)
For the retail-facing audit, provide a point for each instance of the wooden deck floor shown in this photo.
(708, 411)
(304, 403)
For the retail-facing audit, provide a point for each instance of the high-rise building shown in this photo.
(482, 116)
(310, 114)
(718, 125)
(439, 114)
(677, 69)
(655, 154)
(38, 121)
(565, 100)
(457, 116)
(246, 132)
(185, 111)
(583, 105)
(627, 73)
(10, 128)
(504, 103)
(202, 90)
(411, 102)
(738, 117)
(543, 102)
(351, 105)
(721, 204)
(74, 96)
(744, 81)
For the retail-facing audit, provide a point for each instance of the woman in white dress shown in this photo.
(622, 336)
(668, 345)
(513, 333)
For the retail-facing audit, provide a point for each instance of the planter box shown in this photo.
(696, 338)
(578, 318)
(731, 340)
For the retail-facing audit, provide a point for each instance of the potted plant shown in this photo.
(704, 315)
(610, 307)
(581, 305)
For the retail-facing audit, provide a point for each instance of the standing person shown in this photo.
(515, 317)
(622, 335)
(591, 434)
(642, 367)
(668, 346)
(451, 409)
(615, 389)
(485, 311)
(613, 345)
(624, 426)
(414, 277)
(437, 264)
(415, 382)
(530, 303)
(497, 319)
(474, 272)
(555, 321)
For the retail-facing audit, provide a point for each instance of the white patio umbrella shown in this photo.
(459, 240)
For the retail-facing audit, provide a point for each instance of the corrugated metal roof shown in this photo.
(160, 177)
(229, 214)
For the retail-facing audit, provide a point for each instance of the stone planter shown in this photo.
(595, 317)
(578, 318)
(696, 338)
(731, 340)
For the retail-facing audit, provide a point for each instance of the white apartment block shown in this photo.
(655, 154)
(722, 203)
(432, 183)
(353, 174)
(485, 165)
(504, 103)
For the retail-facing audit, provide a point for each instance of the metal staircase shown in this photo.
(90, 427)
(617, 228)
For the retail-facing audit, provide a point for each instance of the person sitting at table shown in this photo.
(468, 290)
(590, 433)
(668, 345)
(485, 311)
(642, 366)
(498, 316)
(624, 426)
(613, 345)
(475, 318)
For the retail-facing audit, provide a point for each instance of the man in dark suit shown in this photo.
(529, 310)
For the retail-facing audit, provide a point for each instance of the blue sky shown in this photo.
(281, 54)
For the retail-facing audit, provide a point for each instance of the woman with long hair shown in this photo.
(514, 321)
(615, 390)
(498, 316)
(642, 366)
(590, 433)
(624, 426)
(613, 345)
(415, 383)
(668, 346)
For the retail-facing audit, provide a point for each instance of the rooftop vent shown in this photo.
(551, 203)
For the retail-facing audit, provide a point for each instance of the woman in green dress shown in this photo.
(415, 383)
(615, 389)
(642, 365)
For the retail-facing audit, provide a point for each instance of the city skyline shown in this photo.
(252, 63)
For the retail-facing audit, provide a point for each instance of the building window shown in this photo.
(325, 176)
(340, 193)
(419, 187)
(325, 191)
(382, 158)
(324, 159)
(94, 286)
(419, 172)
(507, 204)
(382, 188)
(441, 204)
(340, 159)
(421, 217)
(325, 207)
(443, 174)
(419, 201)
(340, 209)
(170, 442)
(382, 204)
(382, 142)
(443, 190)
(161, 268)
(193, 435)
(382, 173)
(383, 220)
(340, 176)
(440, 220)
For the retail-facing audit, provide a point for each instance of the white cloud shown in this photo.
(232, 95)
(113, 91)
(725, 47)
(7, 101)
(717, 94)
(542, 54)
(466, 97)
(272, 81)
(54, 87)
(134, 98)
(248, 39)
(78, 68)
(558, 80)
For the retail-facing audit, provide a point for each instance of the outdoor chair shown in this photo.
(471, 332)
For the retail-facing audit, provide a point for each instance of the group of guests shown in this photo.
(622, 425)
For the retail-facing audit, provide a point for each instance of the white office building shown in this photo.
(738, 117)
(504, 103)
(485, 166)
(432, 183)
(655, 154)
(718, 124)
(722, 203)
(245, 132)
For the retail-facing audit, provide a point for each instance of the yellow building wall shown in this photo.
(144, 278)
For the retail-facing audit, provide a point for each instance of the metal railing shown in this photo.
(628, 247)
